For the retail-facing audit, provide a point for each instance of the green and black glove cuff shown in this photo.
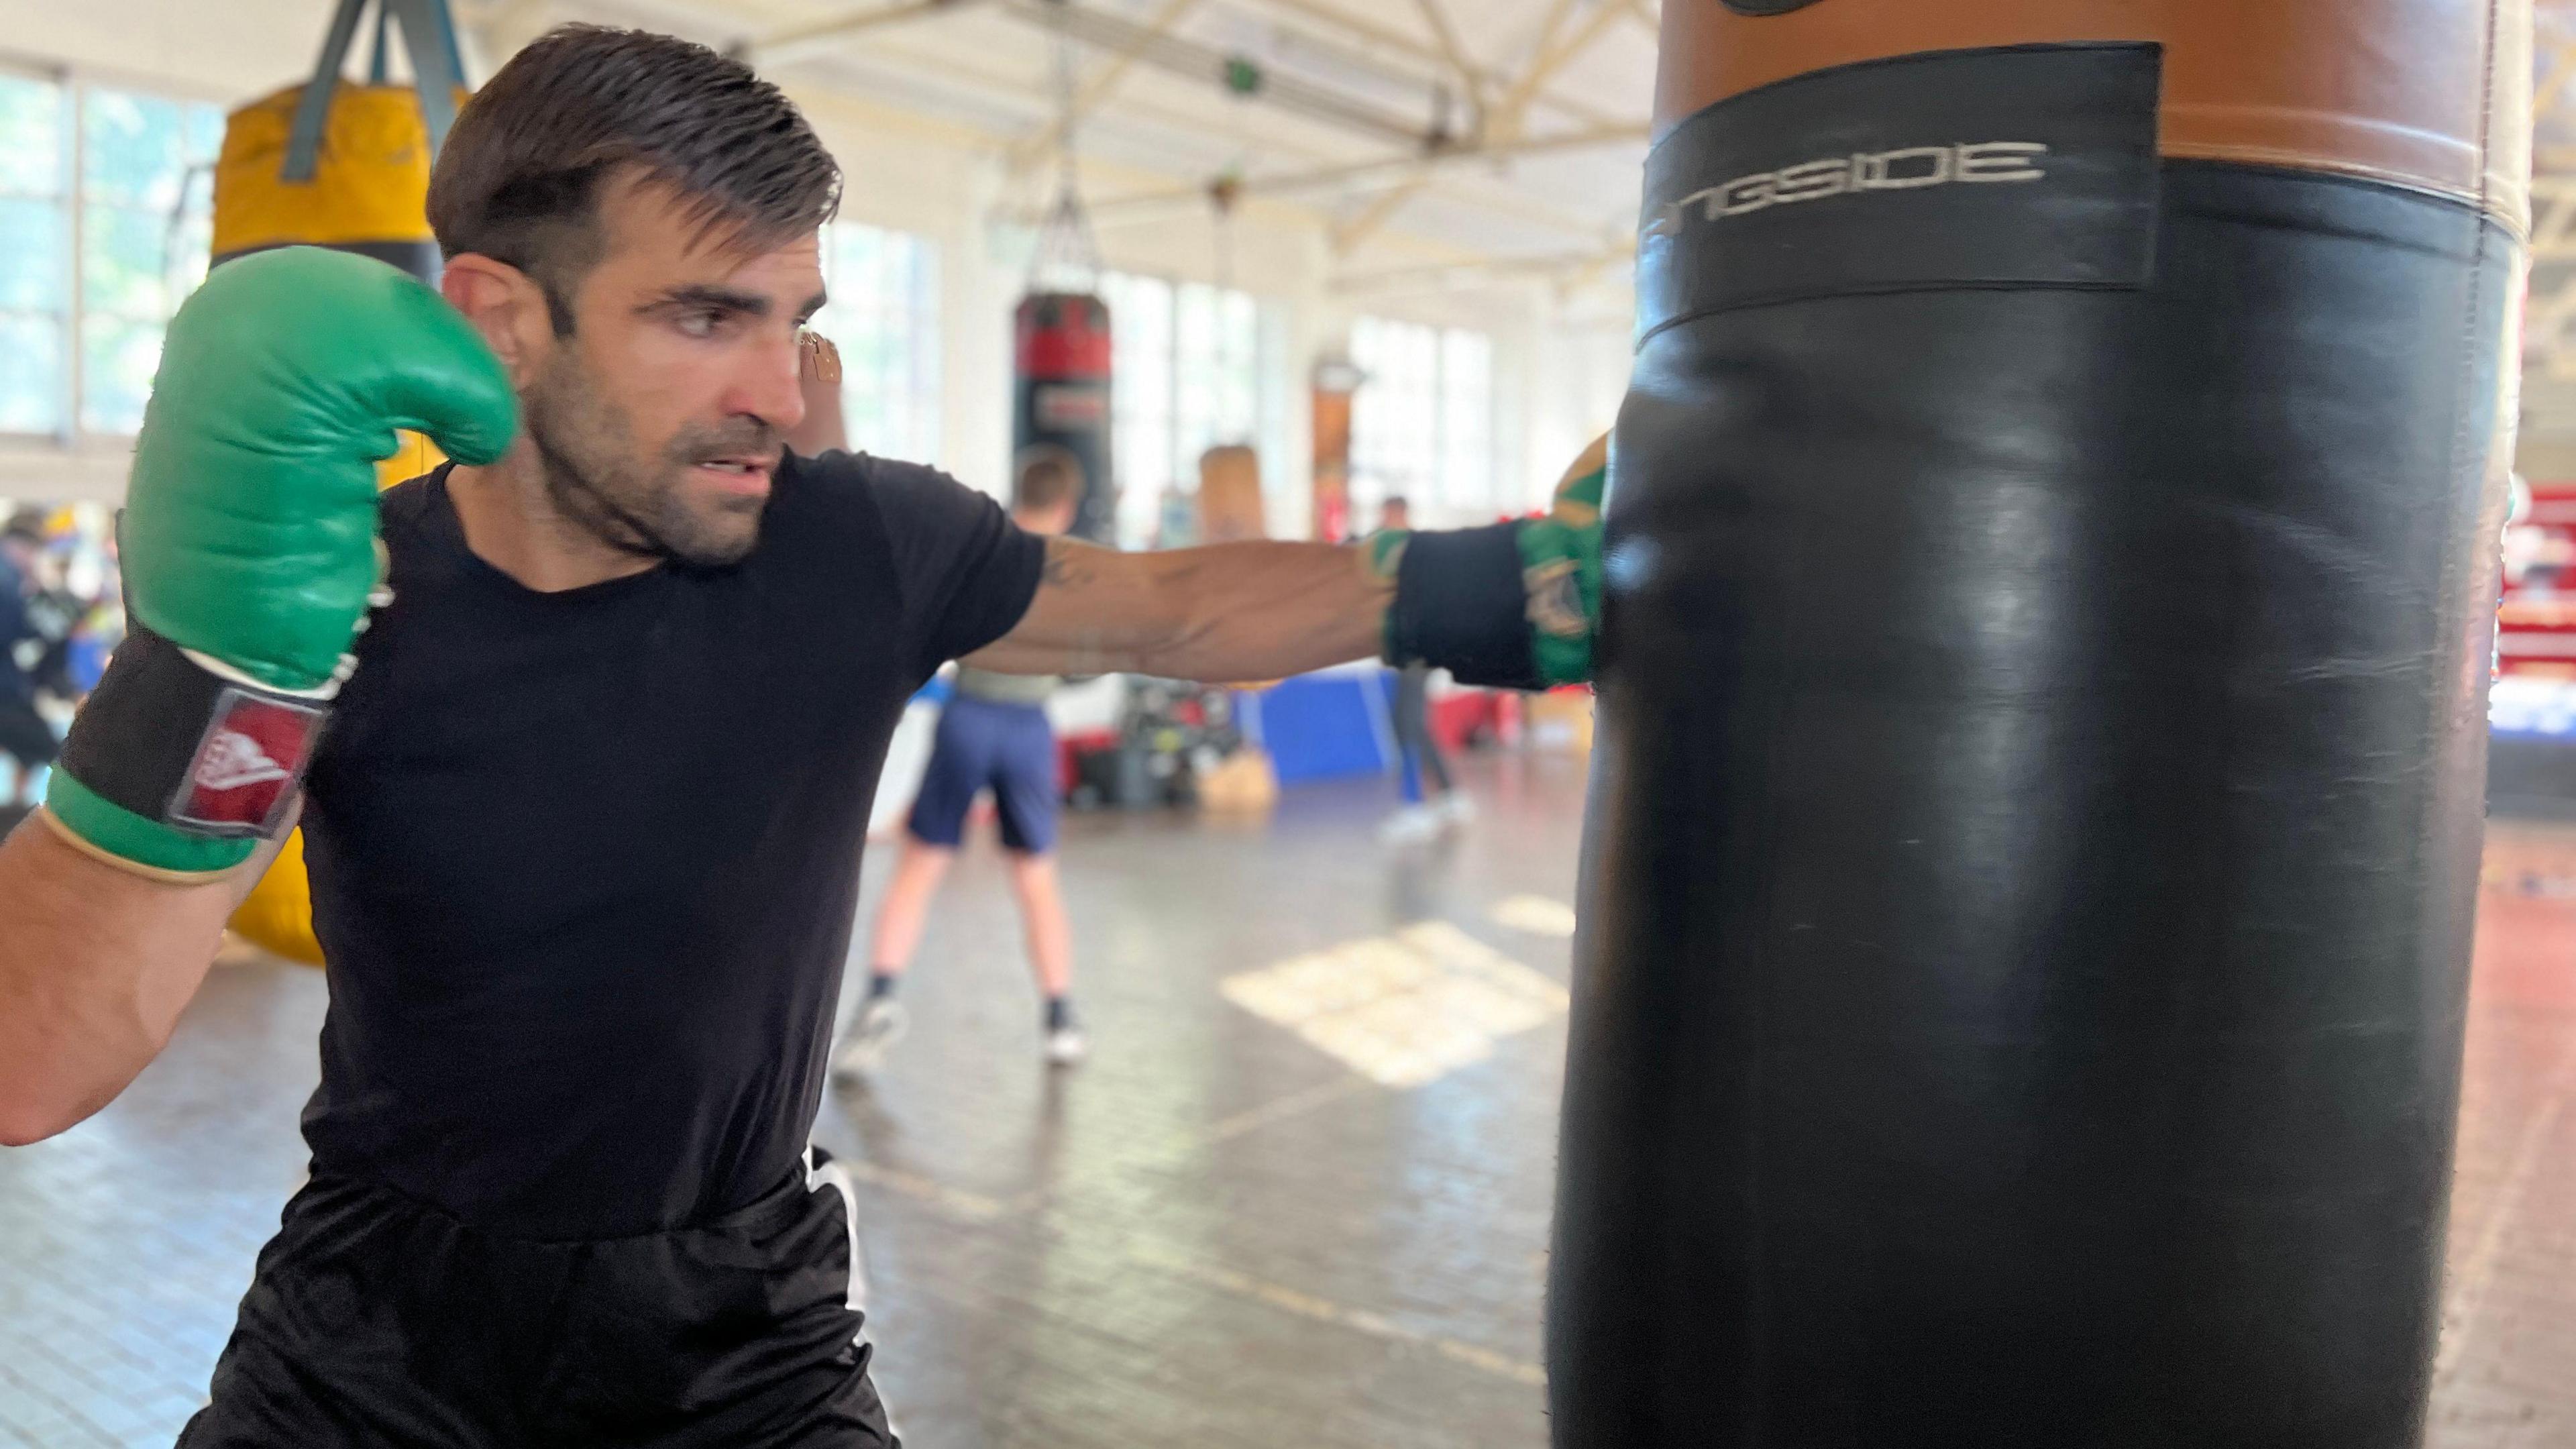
(1509, 606)
(180, 768)
(1461, 604)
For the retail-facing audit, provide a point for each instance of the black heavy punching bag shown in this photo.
(1061, 407)
(2036, 821)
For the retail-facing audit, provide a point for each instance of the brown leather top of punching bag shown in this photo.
(2433, 94)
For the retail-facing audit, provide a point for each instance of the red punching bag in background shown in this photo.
(1061, 401)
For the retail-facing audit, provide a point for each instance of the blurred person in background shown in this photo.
(91, 578)
(1424, 811)
(992, 736)
(24, 734)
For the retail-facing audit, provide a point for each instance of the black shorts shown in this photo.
(377, 1320)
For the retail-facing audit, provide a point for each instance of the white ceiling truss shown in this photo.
(1443, 143)
(1440, 141)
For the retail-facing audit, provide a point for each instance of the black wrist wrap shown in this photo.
(1460, 605)
(171, 741)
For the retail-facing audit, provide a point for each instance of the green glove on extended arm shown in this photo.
(1513, 605)
(248, 544)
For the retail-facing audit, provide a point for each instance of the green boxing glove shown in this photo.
(1510, 606)
(249, 545)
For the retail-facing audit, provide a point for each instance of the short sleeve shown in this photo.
(966, 573)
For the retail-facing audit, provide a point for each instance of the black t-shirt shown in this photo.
(584, 863)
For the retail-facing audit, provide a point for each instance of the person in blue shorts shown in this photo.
(992, 736)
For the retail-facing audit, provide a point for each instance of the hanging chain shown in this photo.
(1065, 119)
(1223, 194)
(1066, 242)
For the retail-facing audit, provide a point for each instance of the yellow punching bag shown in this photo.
(364, 188)
(369, 191)
(277, 915)
(369, 194)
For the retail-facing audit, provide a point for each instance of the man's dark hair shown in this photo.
(519, 177)
(1043, 483)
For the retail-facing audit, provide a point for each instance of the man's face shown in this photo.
(1396, 514)
(659, 418)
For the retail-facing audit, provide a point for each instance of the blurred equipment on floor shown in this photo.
(2536, 625)
(2531, 764)
(1560, 721)
(1170, 734)
(1241, 784)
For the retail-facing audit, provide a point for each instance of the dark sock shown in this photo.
(1059, 1012)
(881, 984)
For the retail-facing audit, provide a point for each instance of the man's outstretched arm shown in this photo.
(1222, 614)
(1512, 605)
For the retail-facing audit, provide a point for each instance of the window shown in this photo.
(146, 226)
(1467, 482)
(35, 270)
(1141, 445)
(1195, 366)
(884, 317)
(105, 219)
(1422, 423)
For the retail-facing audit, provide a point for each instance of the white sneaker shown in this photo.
(881, 1024)
(1410, 826)
(1065, 1046)
(1456, 809)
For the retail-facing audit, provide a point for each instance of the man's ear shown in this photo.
(506, 305)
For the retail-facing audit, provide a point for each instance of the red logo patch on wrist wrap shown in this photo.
(246, 766)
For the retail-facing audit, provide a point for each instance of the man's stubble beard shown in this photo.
(596, 479)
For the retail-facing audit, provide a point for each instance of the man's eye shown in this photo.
(702, 323)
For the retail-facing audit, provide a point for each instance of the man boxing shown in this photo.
(584, 801)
